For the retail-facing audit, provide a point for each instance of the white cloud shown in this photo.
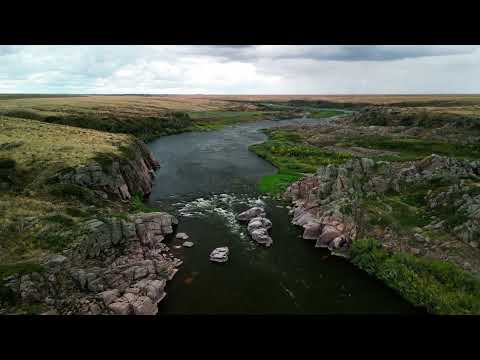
(240, 69)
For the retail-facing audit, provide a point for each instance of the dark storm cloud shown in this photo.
(328, 52)
(381, 53)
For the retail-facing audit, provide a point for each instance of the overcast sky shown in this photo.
(255, 69)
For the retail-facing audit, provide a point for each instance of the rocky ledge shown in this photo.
(116, 177)
(118, 266)
(258, 225)
(331, 205)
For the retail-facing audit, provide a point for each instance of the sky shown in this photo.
(240, 69)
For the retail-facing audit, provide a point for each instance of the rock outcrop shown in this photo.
(326, 204)
(258, 229)
(251, 213)
(220, 254)
(258, 225)
(117, 177)
(118, 266)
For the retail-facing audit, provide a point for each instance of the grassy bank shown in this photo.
(146, 117)
(438, 286)
(408, 149)
(325, 113)
(293, 159)
(213, 120)
(36, 215)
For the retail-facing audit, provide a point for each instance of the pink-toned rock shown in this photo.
(251, 213)
(144, 306)
(328, 234)
(337, 242)
(109, 296)
(302, 218)
(258, 223)
(120, 308)
(312, 230)
(261, 236)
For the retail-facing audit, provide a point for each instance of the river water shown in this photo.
(205, 179)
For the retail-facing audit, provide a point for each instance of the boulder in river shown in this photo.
(259, 223)
(181, 236)
(188, 244)
(261, 236)
(251, 213)
(220, 254)
(258, 229)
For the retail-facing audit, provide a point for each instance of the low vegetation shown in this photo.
(408, 149)
(292, 158)
(324, 113)
(36, 213)
(438, 286)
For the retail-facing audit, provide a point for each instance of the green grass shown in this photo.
(292, 158)
(321, 114)
(412, 149)
(440, 287)
(407, 209)
(214, 120)
(137, 205)
(393, 212)
(20, 268)
(277, 183)
(144, 127)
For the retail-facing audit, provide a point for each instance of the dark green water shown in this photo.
(206, 179)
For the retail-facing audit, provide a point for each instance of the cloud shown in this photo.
(361, 52)
(240, 69)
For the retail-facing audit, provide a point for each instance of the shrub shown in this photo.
(137, 205)
(440, 287)
(71, 191)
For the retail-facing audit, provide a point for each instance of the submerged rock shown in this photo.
(220, 254)
(188, 244)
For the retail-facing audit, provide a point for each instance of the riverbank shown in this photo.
(72, 241)
(78, 239)
(383, 182)
(206, 179)
(60, 177)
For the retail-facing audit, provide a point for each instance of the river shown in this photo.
(205, 179)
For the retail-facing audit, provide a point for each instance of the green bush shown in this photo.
(60, 219)
(71, 191)
(438, 286)
(53, 241)
(144, 127)
(137, 205)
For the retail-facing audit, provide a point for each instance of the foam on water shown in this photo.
(226, 206)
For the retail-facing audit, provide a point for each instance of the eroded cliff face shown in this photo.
(115, 264)
(341, 203)
(117, 177)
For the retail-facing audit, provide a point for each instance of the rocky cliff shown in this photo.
(117, 266)
(115, 262)
(117, 177)
(339, 204)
